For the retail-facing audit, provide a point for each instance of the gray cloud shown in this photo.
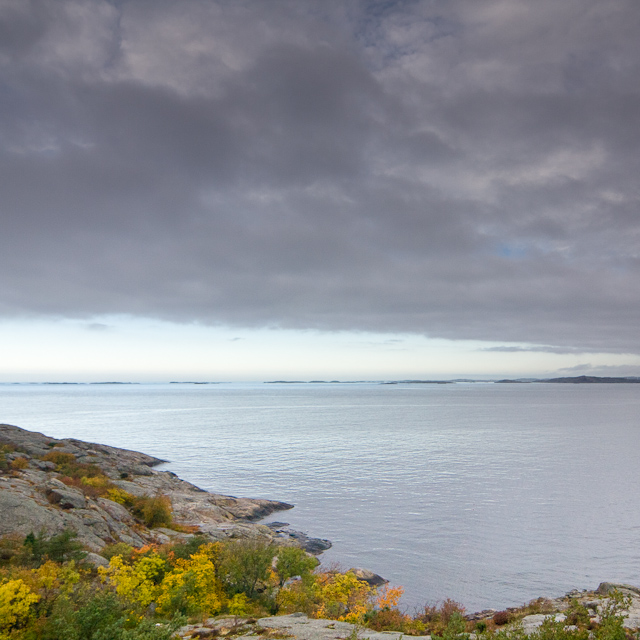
(462, 169)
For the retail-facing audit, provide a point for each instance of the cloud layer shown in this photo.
(463, 169)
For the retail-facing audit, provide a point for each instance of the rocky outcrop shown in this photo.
(605, 588)
(286, 535)
(372, 579)
(301, 627)
(34, 498)
(295, 625)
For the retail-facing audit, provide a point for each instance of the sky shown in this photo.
(340, 189)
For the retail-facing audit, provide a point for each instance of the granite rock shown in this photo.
(35, 499)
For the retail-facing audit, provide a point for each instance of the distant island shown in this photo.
(421, 382)
(567, 380)
(578, 380)
(560, 380)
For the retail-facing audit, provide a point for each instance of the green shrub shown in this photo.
(184, 550)
(577, 614)
(455, 628)
(612, 615)
(551, 629)
(292, 562)
(244, 564)
(59, 548)
(117, 549)
(99, 614)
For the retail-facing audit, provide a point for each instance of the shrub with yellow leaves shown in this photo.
(138, 582)
(192, 587)
(343, 597)
(16, 600)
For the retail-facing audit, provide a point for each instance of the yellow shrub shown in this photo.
(120, 496)
(15, 603)
(138, 582)
(239, 605)
(50, 580)
(96, 481)
(48, 575)
(342, 596)
(192, 587)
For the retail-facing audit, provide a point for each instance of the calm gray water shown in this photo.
(489, 494)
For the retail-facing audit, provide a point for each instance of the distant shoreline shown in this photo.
(562, 380)
(570, 380)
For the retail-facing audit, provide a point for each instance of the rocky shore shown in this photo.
(300, 627)
(35, 496)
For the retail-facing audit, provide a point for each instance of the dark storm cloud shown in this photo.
(464, 169)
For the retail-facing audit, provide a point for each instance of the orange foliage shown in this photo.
(389, 597)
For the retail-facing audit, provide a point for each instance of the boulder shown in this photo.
(66, 498)
(96, 560)
(605, 588)
(372, 579)
(314, 546)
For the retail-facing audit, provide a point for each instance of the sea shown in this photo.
(489, 494)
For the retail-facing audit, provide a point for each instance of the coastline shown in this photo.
(36, 495)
